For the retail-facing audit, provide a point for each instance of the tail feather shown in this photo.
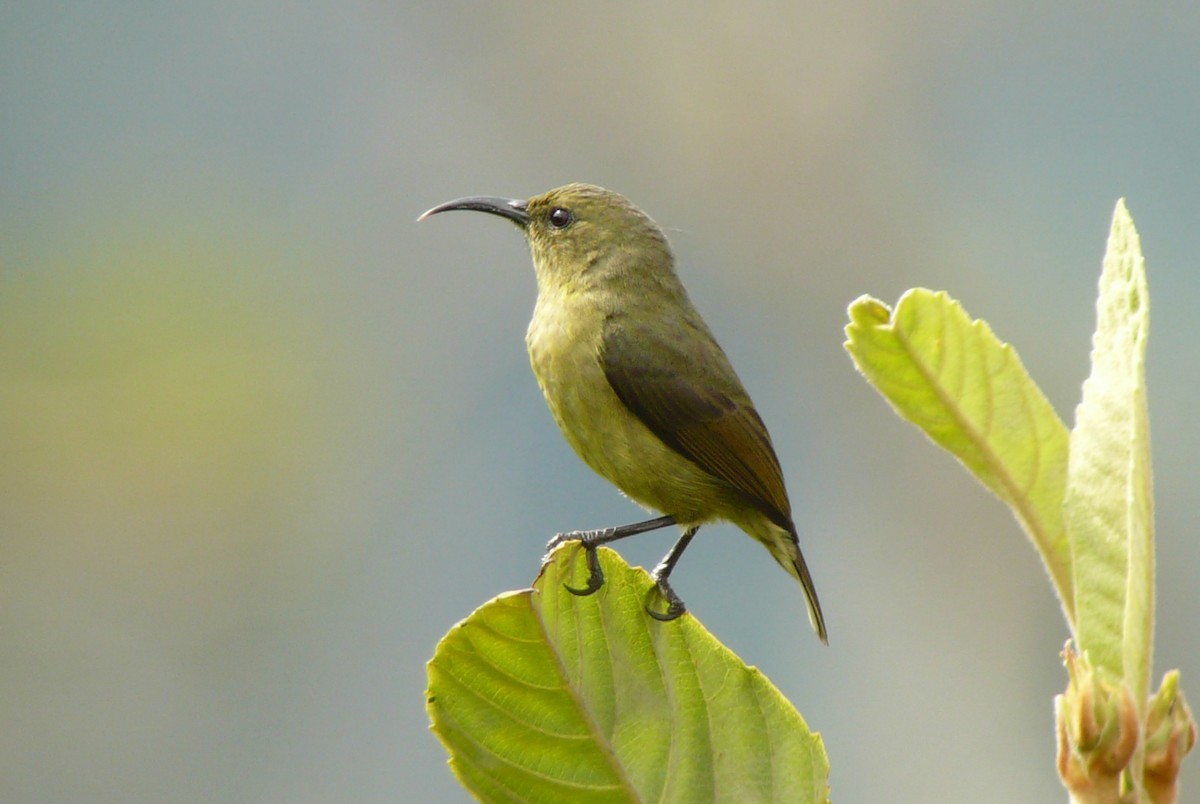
(784, 546)
(800, 570)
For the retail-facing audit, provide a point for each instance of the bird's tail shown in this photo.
(784, 546)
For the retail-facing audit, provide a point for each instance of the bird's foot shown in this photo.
(589, 540)
(592, 539)
(675, 606)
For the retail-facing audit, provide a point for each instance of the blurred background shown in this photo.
(265, 439)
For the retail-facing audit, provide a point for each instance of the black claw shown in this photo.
(592, 587)
(595, 575)
(673, 612)
(675, 607)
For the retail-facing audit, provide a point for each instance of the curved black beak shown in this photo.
(509, 208)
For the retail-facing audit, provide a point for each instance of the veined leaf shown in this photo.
(969, 392)
(1109, 506)
(541, 695)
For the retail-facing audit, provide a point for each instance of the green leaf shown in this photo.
(542, 695)
(951, 377)
(1109, 507)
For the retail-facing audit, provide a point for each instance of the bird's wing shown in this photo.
(674, 377)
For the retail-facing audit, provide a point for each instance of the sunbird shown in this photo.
(639, 386)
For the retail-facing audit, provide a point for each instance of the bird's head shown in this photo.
(580, 234)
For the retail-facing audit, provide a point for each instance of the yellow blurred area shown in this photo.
(161, 440)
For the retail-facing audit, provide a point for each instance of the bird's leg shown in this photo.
(675, 606)
(591, 539)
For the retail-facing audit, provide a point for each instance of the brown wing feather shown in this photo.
(689, 396)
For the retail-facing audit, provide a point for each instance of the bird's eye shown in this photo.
(561, 217)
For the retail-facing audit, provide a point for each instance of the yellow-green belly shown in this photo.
(611, 439)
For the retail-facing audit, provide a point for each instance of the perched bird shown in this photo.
(638, 385)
